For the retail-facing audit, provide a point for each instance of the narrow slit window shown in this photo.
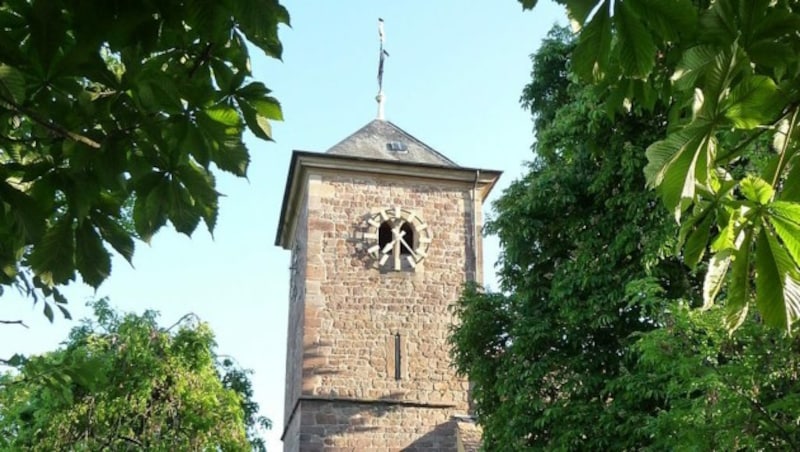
(397, 356)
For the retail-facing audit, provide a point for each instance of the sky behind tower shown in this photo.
(453, 79)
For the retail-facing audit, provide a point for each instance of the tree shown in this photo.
(580, 269)
(121, 382)
(716, 391)
(112, 117)
(733, 72)
(592, 344)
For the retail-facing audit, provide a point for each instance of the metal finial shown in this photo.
(382, 56)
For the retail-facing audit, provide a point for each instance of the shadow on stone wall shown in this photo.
(442, 438)
(328, 422)
(336, 423)
(316, 362)
(357, 243)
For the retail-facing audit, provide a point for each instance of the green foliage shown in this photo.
(719, 392)
(733, 72)
(113, 116)
(121, 382)
(580, 270)
(592, 344)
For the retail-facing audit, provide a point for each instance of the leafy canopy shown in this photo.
(112, 117)
(592, 345)
(121, 382)
(576, 231)
(730, 72)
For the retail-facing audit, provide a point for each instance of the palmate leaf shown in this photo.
(752, 102)
(48, 311)
(636, 48)
(791, 188)
(224, 114)
(257, 123)
(115, 235)
(253, 90)
(209, 16)
(225, 145)
(182, 211)
(771, 54)
(91, 258)
(694, 62)
(666, 18)
(715, 276)
(259, 21)
(718, 23)
(224, 76)
(149, 211)
(258, 108)
(200, 183)
(53, 259)
(196, 144)
(676, 164)
(777, 23)
(698, 240)
(129, 80)
(12, 84)
(232, 156)
(740, 287)
(695, 231)
(590, 58)
(769, 39)
(26, 212)
(727, 234)
(785, 218)
(578, 11)
(757, 190)
(723, 247)
(791, 297)
(268, 107)
(773, 267)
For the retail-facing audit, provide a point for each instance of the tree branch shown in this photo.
(13, 322)
(131, 440)
(185, 317)
(55, 128)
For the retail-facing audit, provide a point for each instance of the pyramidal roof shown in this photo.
(381, 139)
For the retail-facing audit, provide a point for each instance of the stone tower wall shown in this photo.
(294, 346)
(375, 427)
(345, 313)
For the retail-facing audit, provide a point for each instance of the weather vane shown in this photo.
(383, 54)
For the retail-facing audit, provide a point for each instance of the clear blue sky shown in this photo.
(453, 79)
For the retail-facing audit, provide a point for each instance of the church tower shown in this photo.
(383, 232)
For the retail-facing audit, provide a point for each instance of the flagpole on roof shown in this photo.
(382, 56)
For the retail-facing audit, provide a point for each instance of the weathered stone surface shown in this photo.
(468, 436)
(374, 427)
(341, 390)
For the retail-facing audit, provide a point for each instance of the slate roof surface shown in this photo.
(383, 140)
